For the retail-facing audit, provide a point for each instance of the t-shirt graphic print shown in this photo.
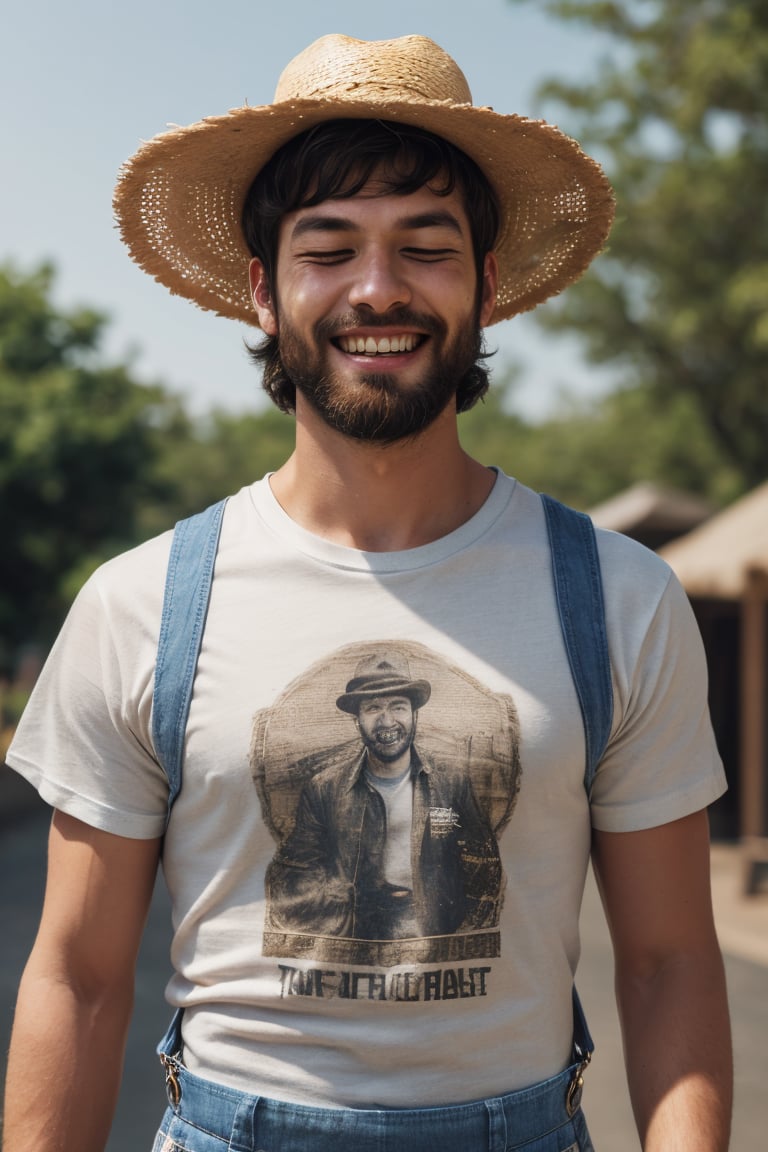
(386, 776)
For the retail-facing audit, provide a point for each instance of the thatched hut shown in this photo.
(652, 514)
(723, 566)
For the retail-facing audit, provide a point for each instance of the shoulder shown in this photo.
(624, 558)
(634, 578)
(443, 773)
(338, 774)
(649, 617)
(133, 583)
(116, 614)
(135, 579)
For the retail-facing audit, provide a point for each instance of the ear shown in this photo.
(488, 288)
(261, 294)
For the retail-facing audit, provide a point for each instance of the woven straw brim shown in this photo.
(179, 200)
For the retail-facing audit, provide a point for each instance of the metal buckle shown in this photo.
(576, 1086)
(172, 1086)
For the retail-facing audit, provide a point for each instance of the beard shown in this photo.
(388, 752)
(372, 406)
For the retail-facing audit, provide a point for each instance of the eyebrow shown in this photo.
(319, 223)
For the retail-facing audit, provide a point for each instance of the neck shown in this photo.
(391, 770)
(380, 498)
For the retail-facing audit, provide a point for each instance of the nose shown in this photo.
(379, 284)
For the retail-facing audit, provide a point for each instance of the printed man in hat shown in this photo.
(387, 844)
(371, 222)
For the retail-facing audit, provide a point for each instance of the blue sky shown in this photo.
(83, 83)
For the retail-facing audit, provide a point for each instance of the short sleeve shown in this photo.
(84, 739)
(662, 761)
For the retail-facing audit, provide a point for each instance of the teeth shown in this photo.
(371, 347)
(387, 735)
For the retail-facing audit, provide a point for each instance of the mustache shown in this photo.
(396, 318)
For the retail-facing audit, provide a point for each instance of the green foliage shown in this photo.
(207, 459)
(34, 336)
(591, 451)
(677, 112)
(77, 442)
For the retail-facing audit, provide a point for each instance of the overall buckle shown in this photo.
(576, 1086)
(172, 1086)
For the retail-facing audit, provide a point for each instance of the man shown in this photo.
(386, 844)
(387, 221)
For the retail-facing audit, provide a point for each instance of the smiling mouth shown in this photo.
(388, 735)
(383, 346)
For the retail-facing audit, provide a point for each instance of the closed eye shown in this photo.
(429, 254)
(325, 256)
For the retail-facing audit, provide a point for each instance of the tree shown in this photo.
(593, 449)
(213, 457)
(677, 113)
(78, 440)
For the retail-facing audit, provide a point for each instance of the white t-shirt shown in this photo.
(297, 982)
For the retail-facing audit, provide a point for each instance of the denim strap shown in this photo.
(185, 606)
(579, 592)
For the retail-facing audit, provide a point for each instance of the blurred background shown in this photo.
(639, 396)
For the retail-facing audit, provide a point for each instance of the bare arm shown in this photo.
(76, 993)
(670, 983)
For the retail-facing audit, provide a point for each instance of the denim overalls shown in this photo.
(207, 1117)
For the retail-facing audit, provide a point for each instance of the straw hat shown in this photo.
(179, 200)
